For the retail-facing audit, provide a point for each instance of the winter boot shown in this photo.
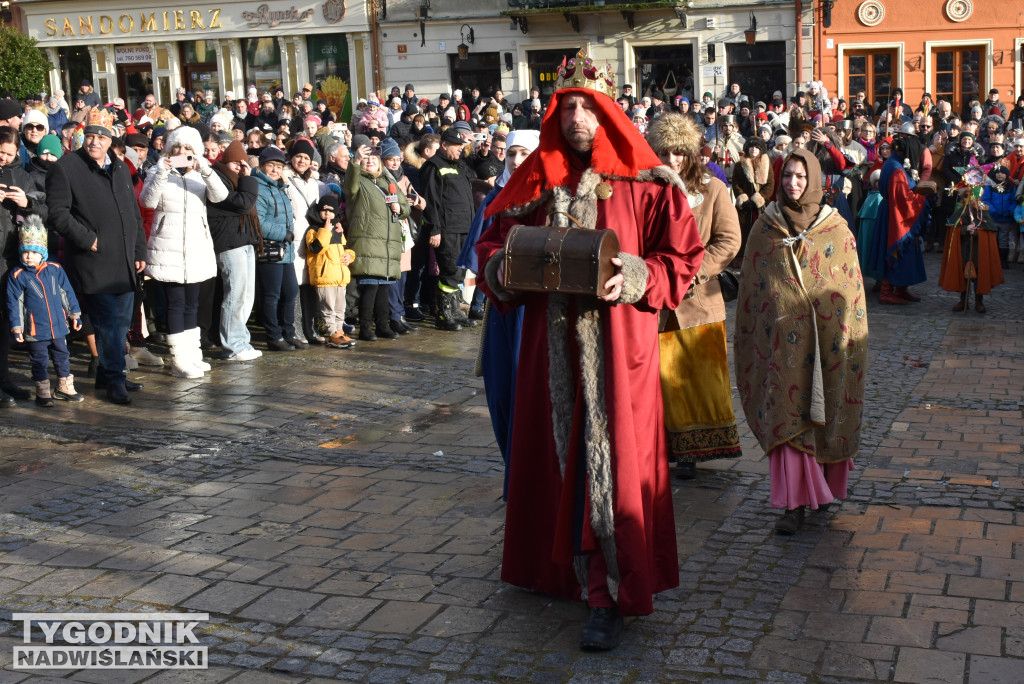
(1011, 254)
(197, 350)
(460, 316)
(43, 397)
(962, 304)
(446, 317)
(1004, 257)
(979, 304)
(367, 298)
(66, 390)
(382, 315)
(888, 294)
(181, 356)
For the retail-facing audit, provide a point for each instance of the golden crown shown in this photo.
(581, 72)
(102, 118)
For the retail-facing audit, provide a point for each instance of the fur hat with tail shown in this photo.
(675, 132)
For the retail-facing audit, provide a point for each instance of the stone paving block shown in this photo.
(168, 590)
(60, 582)
(792, 656)
(404, 587)
(138, 558)
(297, 577)
(900, 632)
(84, 556)
(280, 606)
(959, 638)
(987, 670)
(1003, 568)
(113, 585)
(977, 587)
(224, 597)
(921, 666)
(261, 549)
(874, 603)
(457, 620)
(997, 613)
(222, 524)
(399, 617)
(339, 612)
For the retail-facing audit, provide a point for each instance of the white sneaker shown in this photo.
(250, 354)
(146, 357)
(130, 363)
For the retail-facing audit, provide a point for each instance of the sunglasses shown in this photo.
(36, 127)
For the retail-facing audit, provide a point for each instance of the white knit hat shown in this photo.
(187, 137)
(34, 116)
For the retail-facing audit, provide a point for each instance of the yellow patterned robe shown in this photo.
(801, 336)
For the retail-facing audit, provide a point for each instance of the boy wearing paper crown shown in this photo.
(39, 302)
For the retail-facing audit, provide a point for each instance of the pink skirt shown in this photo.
(798, 480)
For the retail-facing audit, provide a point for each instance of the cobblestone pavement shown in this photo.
(339, 515)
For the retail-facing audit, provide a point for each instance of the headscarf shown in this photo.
(527, 138)
(618, 150)
(801, 212)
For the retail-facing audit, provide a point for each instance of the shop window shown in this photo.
(75, 67)
(872, 73)
(957, 76)
(199, 52)
(760, 69)
(664, 72)
(262, 63)
(329, 73)
(481, 70)
(543, 65)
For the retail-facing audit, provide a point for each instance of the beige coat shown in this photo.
(719, 228)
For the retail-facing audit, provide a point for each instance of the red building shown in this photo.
(954, 49)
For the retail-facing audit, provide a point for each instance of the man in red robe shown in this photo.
(589, 507)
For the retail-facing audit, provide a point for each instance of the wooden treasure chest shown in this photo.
(565, 260)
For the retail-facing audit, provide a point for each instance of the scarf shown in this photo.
(801, 211)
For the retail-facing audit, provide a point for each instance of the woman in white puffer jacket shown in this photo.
(180, 250)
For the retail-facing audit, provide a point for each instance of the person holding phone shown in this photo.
(180, 251)
(14, 203)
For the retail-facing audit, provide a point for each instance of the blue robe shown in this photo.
(500, 354)
(866, 231)
(902, 218)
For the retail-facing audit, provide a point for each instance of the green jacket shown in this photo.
(373, 235)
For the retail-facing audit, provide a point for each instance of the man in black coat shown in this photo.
(447, 218)
(93, 206)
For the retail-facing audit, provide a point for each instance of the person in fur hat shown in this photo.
(589, 512)
(728, 145)
(753, 184)
(695, 383)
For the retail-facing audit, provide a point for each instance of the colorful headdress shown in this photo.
(32, 236)
(100, 122)
(581, 72)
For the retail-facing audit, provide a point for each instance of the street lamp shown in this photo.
(826, 12)
(462, 47)
(751, 33)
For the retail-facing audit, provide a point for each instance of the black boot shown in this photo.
(382, 313)
(367, 298)
(603, 630)
(979, 303)
(446, 317)
(1004, 252)
(460, 315)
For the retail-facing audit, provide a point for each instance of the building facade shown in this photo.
(956, 50)
(688, 47)
(128, 47)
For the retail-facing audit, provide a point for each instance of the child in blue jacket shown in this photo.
(39, 302)
(999, 196)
